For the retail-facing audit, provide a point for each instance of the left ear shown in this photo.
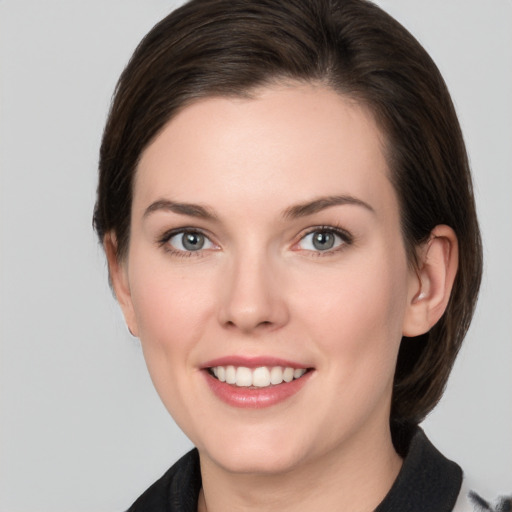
(431, 286)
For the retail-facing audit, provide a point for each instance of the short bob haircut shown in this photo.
(230, 48)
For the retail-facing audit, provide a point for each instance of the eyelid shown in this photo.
(163, 240)
(346, 239)
(343, 234)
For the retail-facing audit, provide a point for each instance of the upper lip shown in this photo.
(253, 362)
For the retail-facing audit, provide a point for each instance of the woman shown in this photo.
(287, 212)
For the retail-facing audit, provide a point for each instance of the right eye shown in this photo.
(188, 241)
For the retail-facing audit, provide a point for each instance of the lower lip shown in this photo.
(255, 398)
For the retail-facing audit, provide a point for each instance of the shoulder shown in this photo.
(430, 482)
(475, 498)
(176, 491)
(427, 482)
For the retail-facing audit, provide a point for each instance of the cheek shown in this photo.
(170, 319)
(358, 309)
(174, 311)
(169, 303)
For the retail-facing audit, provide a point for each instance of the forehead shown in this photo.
(285, 143)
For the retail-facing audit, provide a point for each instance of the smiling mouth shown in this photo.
(261, 377)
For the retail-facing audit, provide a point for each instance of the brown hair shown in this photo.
(230, 47)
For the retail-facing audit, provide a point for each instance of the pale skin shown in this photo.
(258, 179)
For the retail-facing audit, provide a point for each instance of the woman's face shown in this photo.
(266, 246)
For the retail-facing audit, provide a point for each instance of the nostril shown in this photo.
(248, 326)
(264, 323)
(246, 307)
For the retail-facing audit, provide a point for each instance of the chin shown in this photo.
(256, 454)
(257, 462)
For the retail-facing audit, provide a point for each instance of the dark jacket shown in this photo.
(427, 482)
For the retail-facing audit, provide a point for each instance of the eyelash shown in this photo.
(346, 239)
(163, 242)
(345, 236)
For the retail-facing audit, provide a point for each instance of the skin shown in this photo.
(260, 288)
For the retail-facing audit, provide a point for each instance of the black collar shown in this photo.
(427, 482)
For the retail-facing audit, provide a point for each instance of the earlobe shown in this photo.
(120, 283)
(431, 286)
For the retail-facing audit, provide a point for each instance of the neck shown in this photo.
(355, 477)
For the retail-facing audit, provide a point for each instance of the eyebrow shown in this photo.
(192, 210)
(293, 212)
(317, 205)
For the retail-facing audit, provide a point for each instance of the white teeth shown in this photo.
(298, 373)
(261, 377)
(288, 374)
(230, 374)
(243, 377)
(276, 375)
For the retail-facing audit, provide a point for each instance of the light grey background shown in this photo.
(81, 427)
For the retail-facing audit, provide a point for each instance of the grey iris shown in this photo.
(192, 241)
(323, 240)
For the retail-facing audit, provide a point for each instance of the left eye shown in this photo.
(322, 240)
(189, 241)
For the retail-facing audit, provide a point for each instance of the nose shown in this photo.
(253, 295)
